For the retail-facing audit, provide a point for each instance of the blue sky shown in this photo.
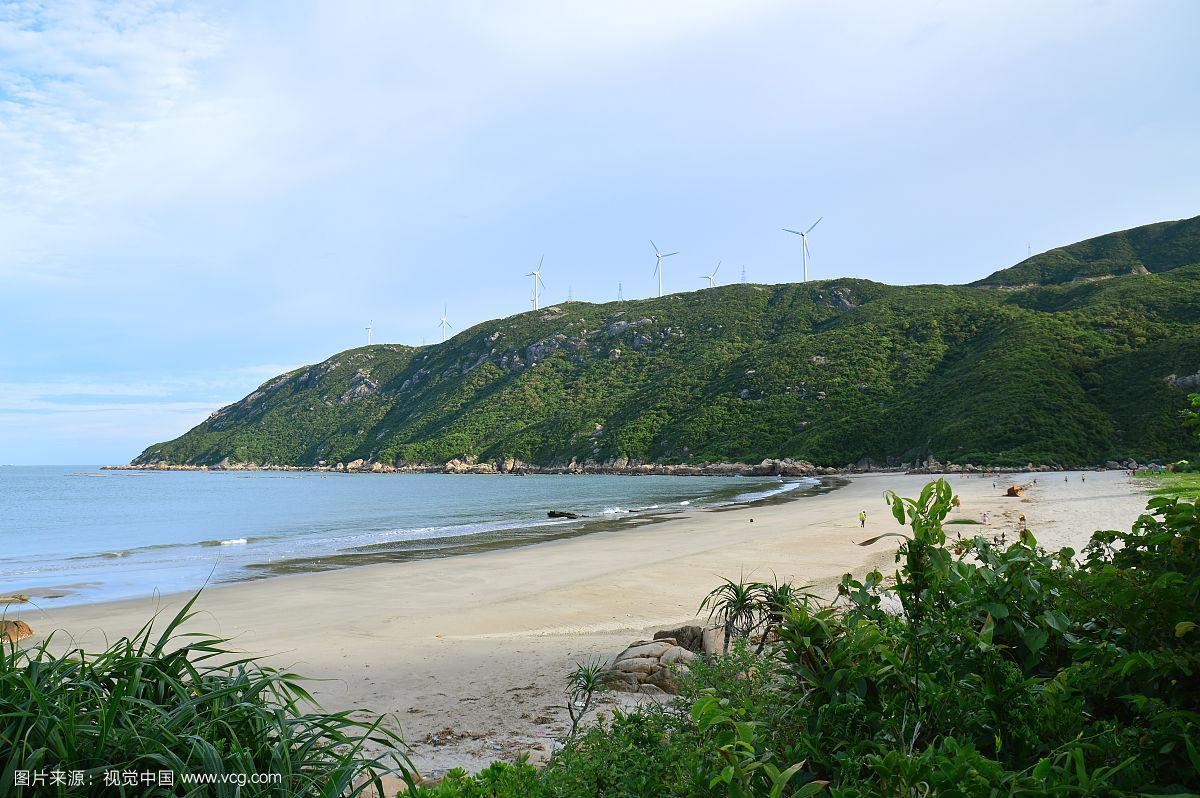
(194, 196)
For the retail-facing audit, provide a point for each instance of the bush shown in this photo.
(183, 703)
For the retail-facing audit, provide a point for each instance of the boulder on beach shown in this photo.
(690, 637)
(14, 630)
(562, 514)
(714, 641)
(653, 667)
(646, 648)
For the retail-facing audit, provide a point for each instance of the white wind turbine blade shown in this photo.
(793, 232)
(806, 252)
(538, 275)
(814, 224)
(669, 254)
(654, 247)
(714, 274)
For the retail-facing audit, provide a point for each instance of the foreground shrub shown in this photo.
(184, 704)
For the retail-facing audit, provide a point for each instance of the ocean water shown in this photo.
(79, 534)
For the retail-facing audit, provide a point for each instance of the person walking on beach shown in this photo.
(862, 519)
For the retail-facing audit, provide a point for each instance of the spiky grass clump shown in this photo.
(182, 702)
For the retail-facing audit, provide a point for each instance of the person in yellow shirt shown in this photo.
(862, 519)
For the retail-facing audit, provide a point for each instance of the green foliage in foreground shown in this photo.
(984, 670)
(1059, 371)
(182, 703)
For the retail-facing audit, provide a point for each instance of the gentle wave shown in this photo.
(359, 516)
(782, 487)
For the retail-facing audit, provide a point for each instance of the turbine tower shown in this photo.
(658, 269)
(620, 293)
(743, 275)
(444, 324)
(370, 325)
(804, 243)
(536, 274)
(712, 277)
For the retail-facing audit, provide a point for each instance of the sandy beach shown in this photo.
(473, 649)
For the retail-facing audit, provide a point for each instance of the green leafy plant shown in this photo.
(182, 702)
(582, 685)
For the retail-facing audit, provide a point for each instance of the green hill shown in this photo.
(1149, 249)
(1068, 371)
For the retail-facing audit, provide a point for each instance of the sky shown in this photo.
(196, 196)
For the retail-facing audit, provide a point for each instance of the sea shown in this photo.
(79, 534)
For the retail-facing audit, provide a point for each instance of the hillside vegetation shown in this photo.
(1151, 248)
(1067, 371)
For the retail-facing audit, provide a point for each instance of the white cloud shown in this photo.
(80, 84)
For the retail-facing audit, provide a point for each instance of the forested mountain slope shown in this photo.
(1068, 371)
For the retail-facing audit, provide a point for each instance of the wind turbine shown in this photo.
(444, 324)
(743, 275)
(536, 274)
(711, 277)
(804, 243)
(658, 269)
(369, 327)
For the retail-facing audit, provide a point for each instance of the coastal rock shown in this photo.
(663, 679)
(713, 641)
(690, 637)
(647, 648)
(783, 468)
(621, 682)
(14, 631)
(677, 654)
(657, 664)
(637, 665)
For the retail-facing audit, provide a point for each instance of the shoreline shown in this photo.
(510, 467)
(771, 467)
(524, 536)
(491, 534)
(466, 655)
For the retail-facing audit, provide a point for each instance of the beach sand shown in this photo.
(473, 650)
